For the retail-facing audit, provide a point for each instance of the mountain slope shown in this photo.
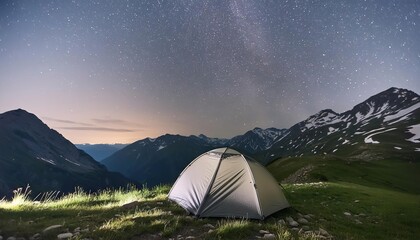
(32, 153)
(383, 125)
(160, 160)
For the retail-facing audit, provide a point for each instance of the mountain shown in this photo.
(161, 160)
(32, 153)
(383, 126)
(100, 151)
(386, 124)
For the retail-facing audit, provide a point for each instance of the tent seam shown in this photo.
(211, 184)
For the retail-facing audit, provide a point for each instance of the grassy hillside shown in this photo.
(336, 210)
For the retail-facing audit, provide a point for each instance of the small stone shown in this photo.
(347, 213)
(282, 222)
(323, 232)
(293, 224)
(52, 227)
(208, 225)
(36, 236)
(362, 214)
(11, 238)
(64, 235)
(30, 222)
(302, 221)
(192, 230)
(130, 205)
(358, 221)
(76, 229)
(210, 231)
(305, 228)
(20, 238)
(300, 215)
(307, 216)
(1, 237)
(269, 236)
(311, 215)
(264, 232)
(289, 219)
(309, 232)
(190, 237)
(84, 230)
(295, 229)
(356, 201)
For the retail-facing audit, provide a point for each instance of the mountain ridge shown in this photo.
(33, 153)
(325, 132)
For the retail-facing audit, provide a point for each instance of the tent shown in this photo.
(225, 183)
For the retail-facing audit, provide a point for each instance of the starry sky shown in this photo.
(120, 71)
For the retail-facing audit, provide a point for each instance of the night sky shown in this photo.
(120, 71)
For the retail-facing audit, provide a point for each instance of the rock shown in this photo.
(293, 224)
(356, 201)
(295, 229)
(11, 238)
(76, 229)
(302, 221)
(208, 225)
(264, 232)
(36, 236)
(20, 238)
(282, 222)
(307, 216)
(84, 230)
(300, 215)
(30, 222)
(130, 205)
(269, 236)
(64, 235)
(179, 237)
(1, 237)
(305, 228)
(190, 237)
(362, 214)
(347, 213)
(51, 228)
(210, 231)
(289, 219)
(323, 232)
(358, 221)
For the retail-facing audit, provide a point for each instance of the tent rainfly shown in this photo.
(225, 183)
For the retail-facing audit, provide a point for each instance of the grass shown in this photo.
(379, 210)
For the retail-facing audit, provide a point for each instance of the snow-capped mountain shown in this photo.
(32, 153)
(391, 118)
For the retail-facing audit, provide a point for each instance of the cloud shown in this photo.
(67, 121)
(102, 129)
(115, 121)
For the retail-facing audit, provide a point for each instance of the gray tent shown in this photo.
(225, 183)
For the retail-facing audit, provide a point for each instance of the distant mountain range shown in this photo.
(100, 151)
(384, 126)
(32, 153)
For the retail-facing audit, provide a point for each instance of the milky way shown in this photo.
(118, 71)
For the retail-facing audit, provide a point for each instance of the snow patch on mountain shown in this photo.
(47, 160)
(402, 113)
(415, 129)
(369, 139)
